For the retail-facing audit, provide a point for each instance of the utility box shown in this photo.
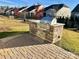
(51, 32)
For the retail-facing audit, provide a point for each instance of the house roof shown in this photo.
(28, 8)
(76, 9)
(10, 9)
(22, 8)
(55, 6)
(32, 7)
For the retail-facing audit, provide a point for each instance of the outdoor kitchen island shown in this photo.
(28, 46)
(47, 29)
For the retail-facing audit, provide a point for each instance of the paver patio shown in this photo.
(27, 46)
(25, 39)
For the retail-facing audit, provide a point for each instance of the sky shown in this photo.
(19, 3)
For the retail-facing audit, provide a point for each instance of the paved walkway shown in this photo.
(25, 39)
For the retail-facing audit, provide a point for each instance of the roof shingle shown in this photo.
(76, 9)
(55, 6)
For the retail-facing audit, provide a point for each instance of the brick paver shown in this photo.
(44, 51)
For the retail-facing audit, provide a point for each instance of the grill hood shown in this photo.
(48, 20)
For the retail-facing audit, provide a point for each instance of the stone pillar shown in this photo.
(33, 28)
(57, 31)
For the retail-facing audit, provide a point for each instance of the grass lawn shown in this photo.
(9, 27)
(12, 25)
(7, 34)
(70, 41)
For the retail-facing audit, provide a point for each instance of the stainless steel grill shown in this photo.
(48, 20)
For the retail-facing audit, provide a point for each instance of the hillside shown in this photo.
(70, 41)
